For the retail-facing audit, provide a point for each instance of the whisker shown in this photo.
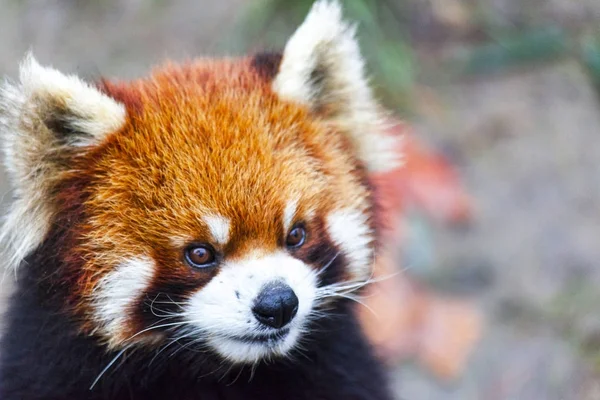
(185, 346)
(345, 289)
(357, 301)
(237, 377)
(320, 271)
(354, 285)
(180, 304)
(168, 345)
(165, 313)
(108, 366)
(253, 370)
(156, 327)
(225, 373)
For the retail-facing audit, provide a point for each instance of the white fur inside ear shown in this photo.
(350, 230)
(322, 65)
(91, 112)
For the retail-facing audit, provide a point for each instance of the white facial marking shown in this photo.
(219, 227)
(117, 291)
(288, 214)
(180, 241)
(350, 230)
(222, 310)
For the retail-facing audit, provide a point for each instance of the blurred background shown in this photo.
(498, 210)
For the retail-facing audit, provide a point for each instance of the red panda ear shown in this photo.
(48, 112)
(322, 67)
(44, 120)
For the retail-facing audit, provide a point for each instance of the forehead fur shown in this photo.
(211, 138)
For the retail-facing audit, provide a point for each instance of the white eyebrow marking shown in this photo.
(219, 227)
(288, 214)
(180, 241)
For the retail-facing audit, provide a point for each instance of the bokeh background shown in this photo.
(506, 91)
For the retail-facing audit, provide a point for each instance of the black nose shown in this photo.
(276, 305)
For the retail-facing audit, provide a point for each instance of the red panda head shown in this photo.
(222, 201)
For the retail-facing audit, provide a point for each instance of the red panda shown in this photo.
(196, 234)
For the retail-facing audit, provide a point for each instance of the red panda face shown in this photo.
(214, 192)
(223, 203)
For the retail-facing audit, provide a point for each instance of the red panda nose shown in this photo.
(276, 305)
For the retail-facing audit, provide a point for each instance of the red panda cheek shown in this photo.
(116, 296)
(350, 230)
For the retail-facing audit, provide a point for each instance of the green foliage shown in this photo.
(269, 23)
(510, 50)
(591, 58)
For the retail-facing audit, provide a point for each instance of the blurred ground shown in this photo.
(524, 139)
(524, 143)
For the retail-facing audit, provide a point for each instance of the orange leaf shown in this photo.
(426, 180)
(400, 318)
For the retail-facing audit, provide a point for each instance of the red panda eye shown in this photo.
(200, 256)
(296, 237)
